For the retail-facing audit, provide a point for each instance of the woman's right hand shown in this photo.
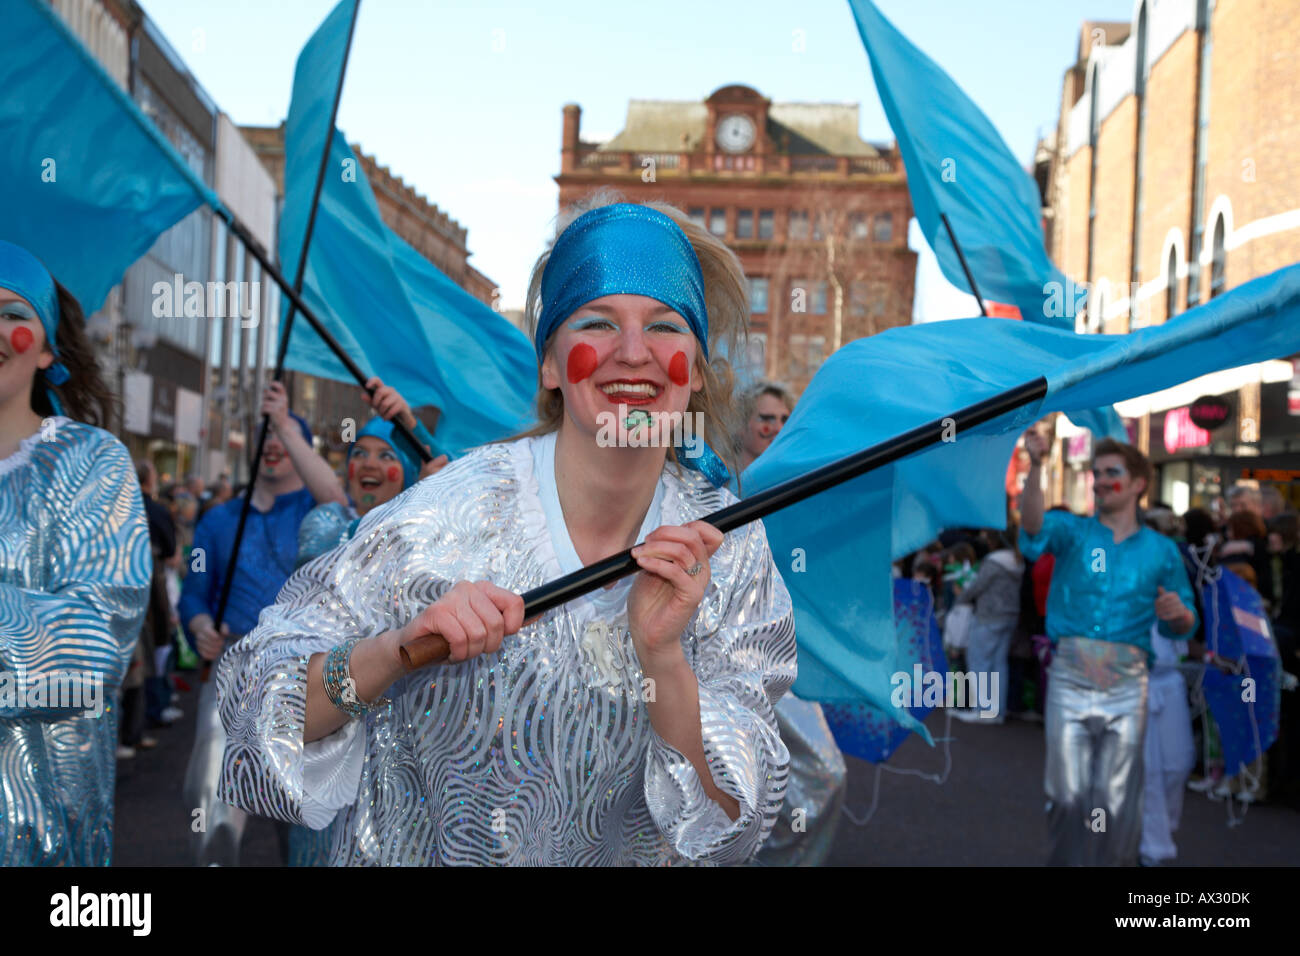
(473, 617)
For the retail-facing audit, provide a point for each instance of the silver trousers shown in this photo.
(1095, 724)
(216, 828)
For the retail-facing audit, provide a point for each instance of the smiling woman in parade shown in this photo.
(75, 568)
(631, 726)
(381, 464)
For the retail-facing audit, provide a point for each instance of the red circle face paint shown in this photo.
(678, 370)
(582, 362)
(394, 473)
(1115, 486)
(352, 469)
(21, 339)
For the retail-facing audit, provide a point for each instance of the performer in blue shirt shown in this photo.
(1112, 580)
(291, 481)
(75, 567)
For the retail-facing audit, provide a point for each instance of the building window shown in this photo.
(1171, 284)
(819, 226)
(806, 354)
(819, 297)
(859, 227)
(744, 224)
(808, 295)
(766, 224)
(884, 227)
(718, 222)
(867, 298)
(798, 224)
(696, 216)
(758, 296)
(754, 363)
(816, 352)
(1219, 262)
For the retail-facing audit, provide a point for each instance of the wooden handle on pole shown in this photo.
(424, 651)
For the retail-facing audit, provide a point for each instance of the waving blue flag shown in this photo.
(393, 311)
(867, 392)
(958, 165)
(88, 181)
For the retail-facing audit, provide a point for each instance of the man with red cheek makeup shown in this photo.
(1113, 578)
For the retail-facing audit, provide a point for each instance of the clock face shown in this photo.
(735, 133)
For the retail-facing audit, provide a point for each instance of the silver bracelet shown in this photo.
(340, 688)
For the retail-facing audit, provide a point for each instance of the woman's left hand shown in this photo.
(665, 596)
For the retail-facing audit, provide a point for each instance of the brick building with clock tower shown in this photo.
(817, 215)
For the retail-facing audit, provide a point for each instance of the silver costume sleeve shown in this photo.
(262, 679)
(74, 635)
(743, 654)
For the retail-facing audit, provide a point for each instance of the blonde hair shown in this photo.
(756, 390)
(725, 296)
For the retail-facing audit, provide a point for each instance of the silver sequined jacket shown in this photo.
(75, 566)
(540, 754)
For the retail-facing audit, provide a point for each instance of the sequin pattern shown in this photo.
(75, 566)
(540, 754)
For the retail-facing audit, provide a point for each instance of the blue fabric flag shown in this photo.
(835, 548)
(958, 164)
(89, 181)
(860, 729)
(393, 311)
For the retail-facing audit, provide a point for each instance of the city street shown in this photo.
(987, 813)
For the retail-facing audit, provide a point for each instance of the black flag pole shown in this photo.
(433, 647)
(295, 302)
(961, 257)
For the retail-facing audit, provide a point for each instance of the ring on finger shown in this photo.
(695, 569)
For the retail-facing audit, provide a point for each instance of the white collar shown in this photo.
(607, 600)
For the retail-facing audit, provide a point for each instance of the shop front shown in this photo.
(1202, 449)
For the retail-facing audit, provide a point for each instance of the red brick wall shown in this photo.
(1254, 136)
(1253, 155)
(1167, 173)
(1114, 198)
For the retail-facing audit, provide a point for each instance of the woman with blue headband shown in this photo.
(381, 464)
(75, 570)
(630, 726)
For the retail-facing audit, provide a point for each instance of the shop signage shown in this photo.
(1181, 432)
(1209, 412)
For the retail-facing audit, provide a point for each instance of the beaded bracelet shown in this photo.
(340, 688)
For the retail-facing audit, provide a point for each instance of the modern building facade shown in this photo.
(155, 353)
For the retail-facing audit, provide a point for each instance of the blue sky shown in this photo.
(462, 98)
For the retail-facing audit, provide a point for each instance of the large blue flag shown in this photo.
(835, 549)
(958, 165)
(391, 309)
(87, 182)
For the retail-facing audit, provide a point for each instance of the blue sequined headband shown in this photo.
(622, 249)
(24, 275)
